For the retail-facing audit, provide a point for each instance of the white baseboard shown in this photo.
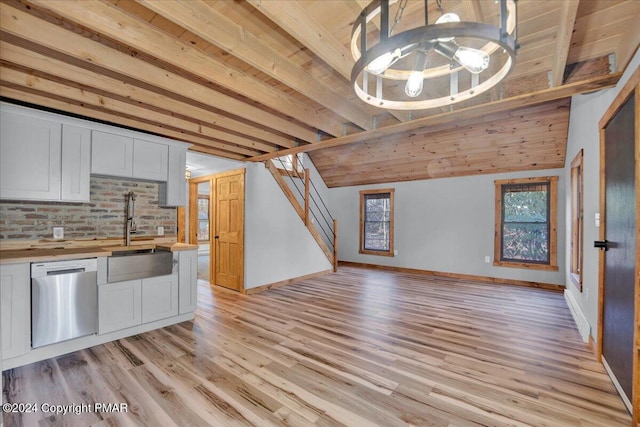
(617, 385)
(578, 316)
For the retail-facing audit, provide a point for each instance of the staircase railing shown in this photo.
(309, 205)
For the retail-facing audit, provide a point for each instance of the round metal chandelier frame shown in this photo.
(427, 37)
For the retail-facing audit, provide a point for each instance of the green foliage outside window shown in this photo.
(525, 230)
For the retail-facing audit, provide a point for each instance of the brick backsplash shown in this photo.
(103, 217)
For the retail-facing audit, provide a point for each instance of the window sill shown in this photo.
(526, 265)
(379, 253)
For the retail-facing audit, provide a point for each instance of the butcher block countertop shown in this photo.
(61, 253)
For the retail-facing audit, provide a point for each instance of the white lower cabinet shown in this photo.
(119, 305)
(15, 309)
(188, 280)
(159, 298)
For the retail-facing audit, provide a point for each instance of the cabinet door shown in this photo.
(15, 309)
(29, 158)
(159, 298)
(174, 192)
(119, 306)
(76, 163)
(111, 154)
(188, 280)
(150, 160)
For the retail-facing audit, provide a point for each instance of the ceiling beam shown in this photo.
(136, 95)
(110, 21)
(533, 98)
(567, 21)
(202, 20)
(56, 38)
(295, 20)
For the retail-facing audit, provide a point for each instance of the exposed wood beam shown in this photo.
(112, 22)
(567, 20)
(173, 127)
(202, 20)
(545, 95)
(54, 37)
(138, 96)
(296, 21)
(70, 107)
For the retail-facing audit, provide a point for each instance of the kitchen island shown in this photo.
(125, 308)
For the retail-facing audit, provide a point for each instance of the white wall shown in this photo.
(444, 225)
(586, 112)
(277, 244)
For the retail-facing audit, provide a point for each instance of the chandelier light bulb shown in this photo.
(447, 17)
(382, 62)
(414, 84)
(474, 60)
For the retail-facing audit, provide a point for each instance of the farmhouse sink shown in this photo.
(130, 264)
(128, 252)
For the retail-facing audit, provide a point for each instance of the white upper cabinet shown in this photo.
(76, 164)
(29, 157)
(150, 160)
(50, 157)
(111, 154)
(174, 192)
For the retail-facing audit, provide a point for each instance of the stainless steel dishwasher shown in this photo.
(64, 300)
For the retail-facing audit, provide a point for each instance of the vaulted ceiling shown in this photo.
(255, 79)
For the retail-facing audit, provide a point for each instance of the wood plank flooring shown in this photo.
(355, 348)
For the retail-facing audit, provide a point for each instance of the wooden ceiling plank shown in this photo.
(103, 84)
(301, 25)
(533, 98)
(112, 22)
(207, 23)
(296, 21)
(21, 24)
(36, 61)
(46, 101)
(172, 125)
(567, 21)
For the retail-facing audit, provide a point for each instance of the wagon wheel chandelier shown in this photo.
(434, 65)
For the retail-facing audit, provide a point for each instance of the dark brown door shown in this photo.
(620, 258)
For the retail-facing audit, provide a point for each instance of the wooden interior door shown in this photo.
(618, 282)
(229, 230)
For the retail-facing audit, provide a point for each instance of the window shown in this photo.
(526, 223)
(290, 165)
(376, 222)
(203, 218)
(577, 168)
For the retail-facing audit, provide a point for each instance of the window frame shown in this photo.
(552, 265)
(363, 194)
(207, 219)
(577, 219)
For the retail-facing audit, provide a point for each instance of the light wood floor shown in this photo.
(357, 348)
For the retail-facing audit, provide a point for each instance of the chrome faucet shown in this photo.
(131, 222)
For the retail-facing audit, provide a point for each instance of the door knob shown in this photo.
(601, 244)
(216, 237)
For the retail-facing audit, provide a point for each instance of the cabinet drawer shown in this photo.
(159, 298)
(119, 306)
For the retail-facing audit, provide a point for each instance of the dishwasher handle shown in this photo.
(68, 271)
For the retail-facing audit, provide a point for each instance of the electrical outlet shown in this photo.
(395, 252)
(58, 233)
(586, 293)
(487, 259)
(160, 230)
